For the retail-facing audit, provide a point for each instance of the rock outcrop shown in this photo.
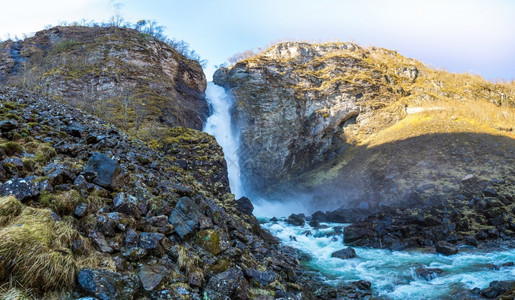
(363, 128)
(128, 78)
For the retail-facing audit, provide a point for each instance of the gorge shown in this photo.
(265, 92)
(323, 171)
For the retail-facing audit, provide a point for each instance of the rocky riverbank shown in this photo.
(483, 220)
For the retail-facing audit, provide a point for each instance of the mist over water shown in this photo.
(284, 208)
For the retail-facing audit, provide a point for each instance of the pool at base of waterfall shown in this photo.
(394, 274)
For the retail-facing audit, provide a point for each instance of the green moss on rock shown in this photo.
(210, 240)
(12, 148)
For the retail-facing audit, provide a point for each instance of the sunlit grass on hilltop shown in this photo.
(460, 102)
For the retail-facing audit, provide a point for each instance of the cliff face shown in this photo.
(304, 111)
(124, 76)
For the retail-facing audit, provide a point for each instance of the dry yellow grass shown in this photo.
(36, 251)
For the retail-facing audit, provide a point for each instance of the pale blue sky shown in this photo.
(460, 36)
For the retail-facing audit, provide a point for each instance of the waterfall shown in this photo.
(219, 125)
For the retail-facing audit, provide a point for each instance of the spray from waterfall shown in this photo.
(219, 125)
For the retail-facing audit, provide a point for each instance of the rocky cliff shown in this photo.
(126, 77)
(365, 127)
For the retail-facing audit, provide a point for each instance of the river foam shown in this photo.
(392, 273)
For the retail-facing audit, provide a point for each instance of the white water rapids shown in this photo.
(392, 273)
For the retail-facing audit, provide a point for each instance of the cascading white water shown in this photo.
(391, 272)
(219, 125)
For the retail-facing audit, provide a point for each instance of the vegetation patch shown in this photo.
(12, 148)
(38, 252)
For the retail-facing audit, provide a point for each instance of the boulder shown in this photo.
(109, 223)
(318, 216)
(151, 277)
(428, 273)
(100, 242)
(150, 240)
(129, 205)
(296, 219)
(230, 284)
(497, 288)
(21, 188)
(57, 174)
(345, 253)
(102, 171)
(245, 206)
(314, 223)
(131, 238)
(80, 210)
(8, 125)
(158, 221)
(263, 278)
(74, 131)
(185, 217)
(445, 248)
(357, 235)
(106, 285)
(470, 240)
(360, 289)
(489, 192)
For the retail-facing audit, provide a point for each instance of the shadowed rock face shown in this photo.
(420, 171)
(127, 77)
(288, 122)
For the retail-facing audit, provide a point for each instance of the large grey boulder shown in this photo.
(106, 285)
(185, 217)
(21, 188)
(103, 171)
(230, 284)
(345, 253)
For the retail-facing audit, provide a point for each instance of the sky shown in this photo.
(475, 36)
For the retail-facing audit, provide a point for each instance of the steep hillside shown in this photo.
(350, 126)
(126, 77)
(87, 211)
